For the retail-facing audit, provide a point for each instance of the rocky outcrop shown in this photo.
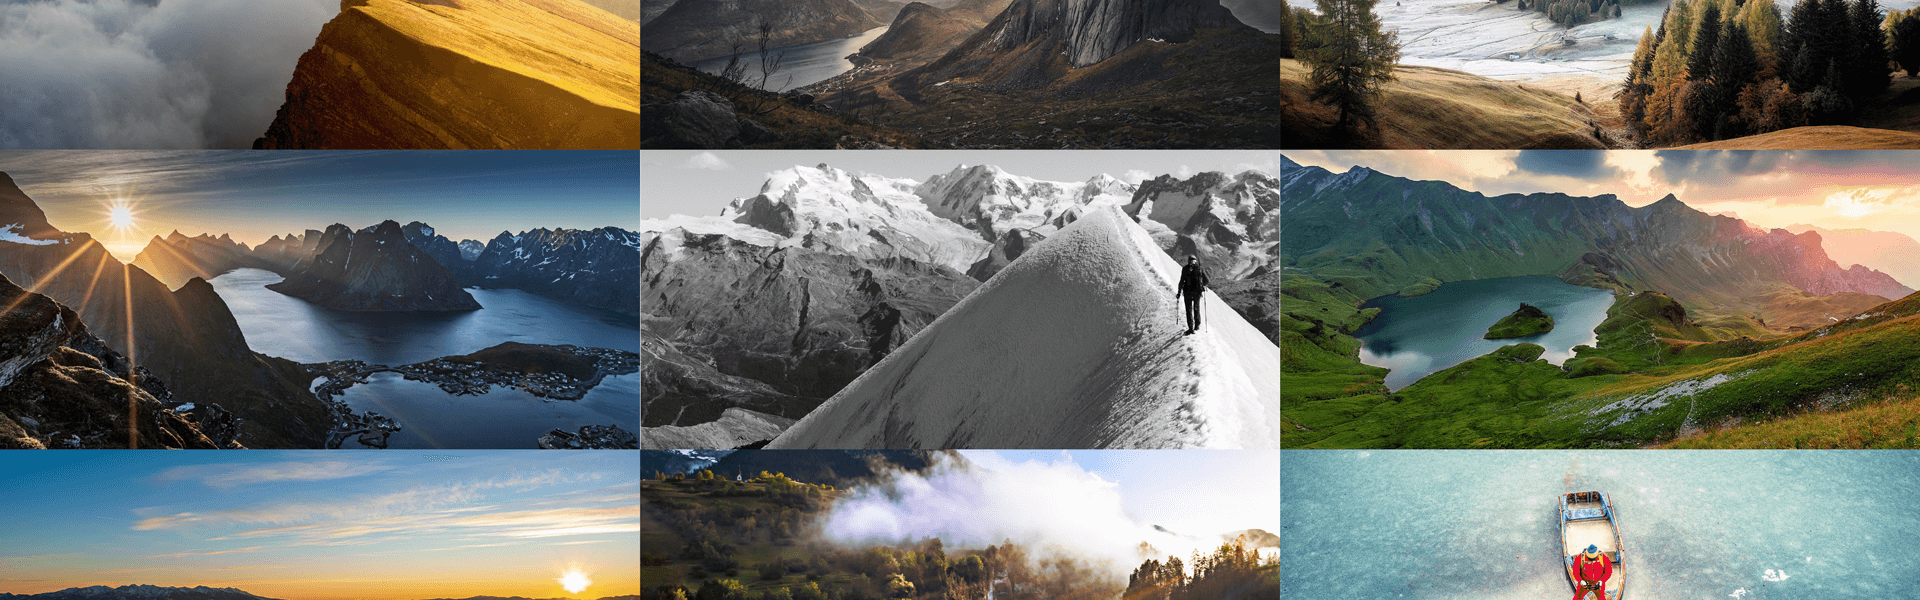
(1097, 29)
(693, 30)
(19, 215)
(738, 427)
(694, 119)
(61, 387)
(465, 74)
(176, 258)
(471, 249)
(373, 269)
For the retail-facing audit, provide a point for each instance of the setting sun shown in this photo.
(575, 581)
(121, 216)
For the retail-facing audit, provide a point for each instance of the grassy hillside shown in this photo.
(1430, 107)
(1656, 376)
(1823, 137)
(791, 121)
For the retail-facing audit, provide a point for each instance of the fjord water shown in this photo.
(1746, 525)
(291, 328)
(1416, 337)
(806, 63)
(503, 418)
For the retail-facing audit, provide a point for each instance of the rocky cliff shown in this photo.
(692, 30)
(460, 74)
(1230, 221)
(61, 387)
(373, 269)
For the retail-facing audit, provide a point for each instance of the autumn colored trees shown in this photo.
(1717, 69)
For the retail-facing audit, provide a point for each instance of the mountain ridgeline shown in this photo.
(390, 266)
(1377, 234)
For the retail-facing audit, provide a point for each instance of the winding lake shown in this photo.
(279, 325)
(806, 64)
(1416, 337)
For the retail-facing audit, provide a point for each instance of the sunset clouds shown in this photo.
(1877, 189)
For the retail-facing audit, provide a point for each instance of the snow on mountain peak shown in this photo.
(1081, 336)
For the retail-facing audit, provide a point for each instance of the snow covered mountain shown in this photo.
(829, 209)
(1077, 344)
(597, 267)
(1231, 222)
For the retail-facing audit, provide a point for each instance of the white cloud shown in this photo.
(235, 475)
(1135, 176)
(708, 161)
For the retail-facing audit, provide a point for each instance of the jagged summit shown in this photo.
(1075, 345)
(19, 215)
(373, 269)
(862, 215)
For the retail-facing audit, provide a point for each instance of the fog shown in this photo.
(1055, 507)
(145, 74)
(1707, 524)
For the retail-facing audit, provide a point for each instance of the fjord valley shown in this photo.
(378, 336)
(1668, 324)
(837, 291)
(1791, 74)
(969, 74)
(476, 524)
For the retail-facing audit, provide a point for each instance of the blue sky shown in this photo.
(321, 525)
(1191, 491)
(254, 195)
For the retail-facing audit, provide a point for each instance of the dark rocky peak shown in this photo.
(18, 210)
(416, 230)
(1098, 29)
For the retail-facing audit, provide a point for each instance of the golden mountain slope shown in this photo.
(523, 74)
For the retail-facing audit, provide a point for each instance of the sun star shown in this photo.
(121, 216)
(575, 581)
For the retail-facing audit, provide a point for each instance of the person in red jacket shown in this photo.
(1590, 573)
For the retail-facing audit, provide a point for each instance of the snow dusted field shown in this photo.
(1500, 41)
(1696, 525)
(1503, 42)
(1075, 345)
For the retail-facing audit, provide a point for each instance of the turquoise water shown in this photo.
(1416, 337)
(1747, 525)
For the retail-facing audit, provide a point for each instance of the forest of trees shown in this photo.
(1573, 12)
(718, 533)
(1717, 69)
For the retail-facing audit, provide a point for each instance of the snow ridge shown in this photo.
(1074, 345)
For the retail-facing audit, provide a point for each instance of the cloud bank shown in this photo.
(148, 73)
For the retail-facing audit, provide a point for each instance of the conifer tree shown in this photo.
(1352, 58)
(1706, 35)
(1870, 74)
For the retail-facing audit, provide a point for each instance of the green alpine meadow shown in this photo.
(1721, 332)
